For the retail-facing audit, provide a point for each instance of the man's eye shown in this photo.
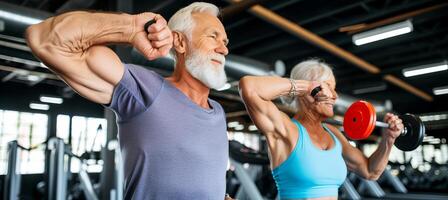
(212, 36)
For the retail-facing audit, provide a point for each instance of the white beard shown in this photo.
(201, 67)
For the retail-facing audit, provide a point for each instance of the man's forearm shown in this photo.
(74, 32)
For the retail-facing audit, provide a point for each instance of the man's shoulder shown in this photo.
(142, 74)
(216, 105)
(139, 69)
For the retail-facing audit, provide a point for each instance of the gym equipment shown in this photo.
(85, 183)
(149, 23)
(13, 178)
(248, 177)
(394, 181)
(247, 184)
(360, 120)
(243, 154)
(349, 191)
(367, 187)
(56, 184)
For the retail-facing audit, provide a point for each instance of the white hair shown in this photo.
(311, 70)
(182, 21)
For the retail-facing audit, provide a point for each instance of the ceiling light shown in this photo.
(233, 124)
(425, 69)
(440, 90)
(19, 18)
(32, 78)
(435, 117)
(49, 99)
(252, 128)
(225, 87)
(239, 127)
(383, 32)
(39, 106)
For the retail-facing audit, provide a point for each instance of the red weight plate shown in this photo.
(373, 118)
(359, 120)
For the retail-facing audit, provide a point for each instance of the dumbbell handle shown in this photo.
(339, 123)
(386, 125)
(382, 124)
(377, 123)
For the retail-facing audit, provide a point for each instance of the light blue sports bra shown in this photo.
(310, 172)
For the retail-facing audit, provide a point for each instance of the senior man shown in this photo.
(173, 137)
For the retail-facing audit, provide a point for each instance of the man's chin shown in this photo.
(216, 87)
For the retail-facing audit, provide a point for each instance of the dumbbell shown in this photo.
(360, 120)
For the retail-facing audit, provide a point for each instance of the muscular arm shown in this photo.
(72, 45)
(369, 168)
(258, 93)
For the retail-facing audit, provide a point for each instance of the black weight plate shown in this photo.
(415, 131)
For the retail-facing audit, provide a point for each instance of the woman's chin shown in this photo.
(327, 114)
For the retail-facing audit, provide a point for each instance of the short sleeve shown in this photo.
(136, 91)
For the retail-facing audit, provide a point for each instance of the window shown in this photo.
(29, 129)
(62, 127)
(88, 134)
(248, 139)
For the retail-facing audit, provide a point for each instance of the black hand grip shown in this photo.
(149, 23)
(315, 91)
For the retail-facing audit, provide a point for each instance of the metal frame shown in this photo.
(11, 190)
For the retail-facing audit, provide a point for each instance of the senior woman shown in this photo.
(309, 159)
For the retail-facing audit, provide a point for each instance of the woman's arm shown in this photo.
(258, 92)
(372, 167)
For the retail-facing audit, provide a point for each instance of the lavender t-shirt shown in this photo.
(172, 148)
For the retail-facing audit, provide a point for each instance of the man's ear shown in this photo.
(180, 42)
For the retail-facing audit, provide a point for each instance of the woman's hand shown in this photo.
(395, 127)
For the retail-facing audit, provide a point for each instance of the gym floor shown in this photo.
(268, 37)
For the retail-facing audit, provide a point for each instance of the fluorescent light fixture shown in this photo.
(425, 69)
(375, 88)
(19, 18)
(39, 106)
(435, 141)
(431, 140)
(427, 138)
(49, 99)
(239, 127)
(382, 33)
(225, 87)
(436, 117)
(252, 128)
(233, 124)
(440, 90)
(32, 78)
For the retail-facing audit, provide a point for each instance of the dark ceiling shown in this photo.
(253, 37)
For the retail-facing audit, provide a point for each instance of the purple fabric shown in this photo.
(172, 148)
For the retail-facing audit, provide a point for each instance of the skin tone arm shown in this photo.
(371, 168)
(258, 92)
(73, 45)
